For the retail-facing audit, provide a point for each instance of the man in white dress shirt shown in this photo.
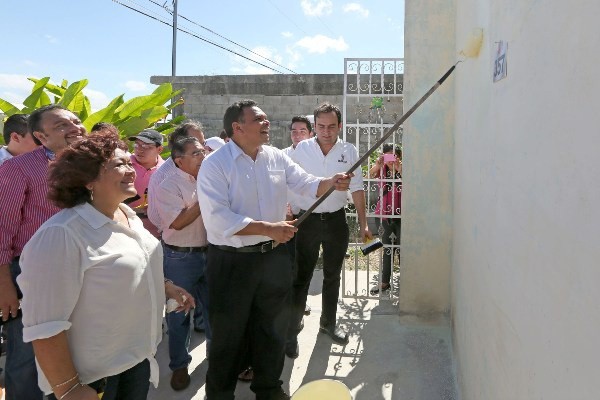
(188, 128)
(325, 154)
(300, 129)
(185, 247)
(242, 190)
(18, 140)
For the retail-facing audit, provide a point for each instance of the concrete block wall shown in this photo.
(280, 96)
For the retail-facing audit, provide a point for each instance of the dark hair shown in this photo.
(326, 108)
(398, 151)
(105, 127)
(223, 134)
(34, 122)
(182, 131)
(234, 114)
(301, 118)
(15, 123)
(78, 165)
(178, 148)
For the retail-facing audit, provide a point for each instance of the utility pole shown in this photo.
(174, 51)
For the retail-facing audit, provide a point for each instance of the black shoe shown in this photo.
(278, 395)
(336, 334)
(307, 310)
(292, 350)
(180, 379)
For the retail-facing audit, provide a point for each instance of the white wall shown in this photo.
(427, 159)
(526, 251)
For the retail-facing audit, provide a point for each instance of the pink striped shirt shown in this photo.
(24, 204)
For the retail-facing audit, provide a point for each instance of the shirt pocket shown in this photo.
(277, 187)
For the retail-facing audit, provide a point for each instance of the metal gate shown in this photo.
(373, 102)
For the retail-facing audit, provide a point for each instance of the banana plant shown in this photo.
(130, 117)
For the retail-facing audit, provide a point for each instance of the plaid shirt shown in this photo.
(24, 204)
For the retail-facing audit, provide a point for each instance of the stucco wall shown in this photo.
(525, 295)
(428, 159)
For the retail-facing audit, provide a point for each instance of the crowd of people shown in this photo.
(95, 241)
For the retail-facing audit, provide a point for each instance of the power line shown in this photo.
(285, 15)
(195, 35)
(221, 36)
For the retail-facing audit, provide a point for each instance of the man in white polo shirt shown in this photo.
(324, 155)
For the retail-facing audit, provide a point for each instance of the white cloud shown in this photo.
(15, 88)
(29, 63)
(245, 66)
(51, 39)
(287, 34)
(136, 86)
(356, 8)
(321, 44)
(316, 8)
(97, 98)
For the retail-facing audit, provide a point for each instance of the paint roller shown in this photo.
(471, 50)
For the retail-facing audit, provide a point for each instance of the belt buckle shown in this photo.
(264, 248)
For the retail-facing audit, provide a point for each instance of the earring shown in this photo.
(91, 194)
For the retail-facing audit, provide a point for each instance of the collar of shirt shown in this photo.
(159, 162)
(95, 218)
(185, 175)
(236, 151)
(49, 153)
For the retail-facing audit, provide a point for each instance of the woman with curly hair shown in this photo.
(93, 282)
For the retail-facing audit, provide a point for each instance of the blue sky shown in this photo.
(118, 49)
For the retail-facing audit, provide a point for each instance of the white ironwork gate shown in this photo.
(373, 102)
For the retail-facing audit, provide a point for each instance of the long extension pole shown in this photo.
(378, 143)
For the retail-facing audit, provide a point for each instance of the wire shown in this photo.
(195, 35)
(285, 15)
(222, 37)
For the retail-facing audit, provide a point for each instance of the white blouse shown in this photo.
(100, 281)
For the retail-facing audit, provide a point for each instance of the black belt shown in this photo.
(261, 247)
(186, 249)
(325, 215)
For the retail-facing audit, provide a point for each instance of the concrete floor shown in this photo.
(388, 357)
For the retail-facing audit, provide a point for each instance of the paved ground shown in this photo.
(388, 357)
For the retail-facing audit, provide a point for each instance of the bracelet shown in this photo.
(168, 281)
(72, 389)
(65, 382)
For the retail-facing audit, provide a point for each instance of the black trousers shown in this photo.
(331, 231)
(249, 307)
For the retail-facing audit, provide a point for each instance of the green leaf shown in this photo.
(33, 100)
(57, 90)
(72, 92)
(104, 115)
(7, 108)
(169, 126)
(86, 110)
(133, 107)
(133, 126)
(154, 114)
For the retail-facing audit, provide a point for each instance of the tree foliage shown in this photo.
(130, 117)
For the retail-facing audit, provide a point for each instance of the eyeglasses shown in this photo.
(143, 145)
(195, 154)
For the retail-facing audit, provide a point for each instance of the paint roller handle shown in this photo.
(447, 74)
(377, 144)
